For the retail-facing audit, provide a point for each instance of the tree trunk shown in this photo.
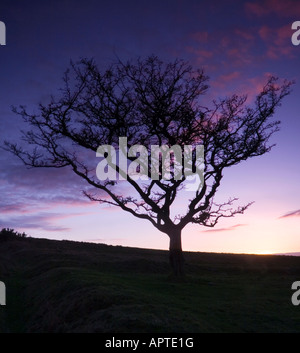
(175, 253)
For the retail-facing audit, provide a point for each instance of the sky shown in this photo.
(237, 43)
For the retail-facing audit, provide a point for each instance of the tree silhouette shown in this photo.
(150, 103)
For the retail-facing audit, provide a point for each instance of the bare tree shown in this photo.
(150, 103)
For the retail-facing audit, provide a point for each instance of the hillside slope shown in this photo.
(64, 286)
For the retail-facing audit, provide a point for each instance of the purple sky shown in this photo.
(238, 43)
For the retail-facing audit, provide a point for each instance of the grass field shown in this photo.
(64, 286)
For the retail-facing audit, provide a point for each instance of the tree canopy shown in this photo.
(150, 102)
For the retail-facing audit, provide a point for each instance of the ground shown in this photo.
(64, 286)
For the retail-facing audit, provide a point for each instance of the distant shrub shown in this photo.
(7, 234)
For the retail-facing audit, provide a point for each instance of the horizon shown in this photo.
(238, 49)
(154, 249)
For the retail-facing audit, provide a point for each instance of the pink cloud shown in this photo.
(237, 47)
(201, 37)
(253, 86)
(7, 208)
(265, 33)
(240, 56)
(231, 76)
(224, 229)
(38, 219)
(257, 83)
(43, 221)
(202, 55)
(255, 8)
(278, 52)
(233, 48)
(268, 7)
(277, 41)
(291, 214)
(237, 81)
(283, 35)
(244, 34)
(224, 80)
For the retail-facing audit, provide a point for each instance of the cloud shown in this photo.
(291, 214)
(270, 7)
(277, 41)
(224, 229)
(29, 190)
(224, 80)
(33, 199)
(230, 48)
(42, 221)
(237, 49)
(265, 33)
(6, 207)
(42, 199)
(40, 202)
(245, 34)
(201, 36)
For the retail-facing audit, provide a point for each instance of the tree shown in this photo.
(7, 234)
(150, 103)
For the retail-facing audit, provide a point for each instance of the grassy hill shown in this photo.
(64, 286)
